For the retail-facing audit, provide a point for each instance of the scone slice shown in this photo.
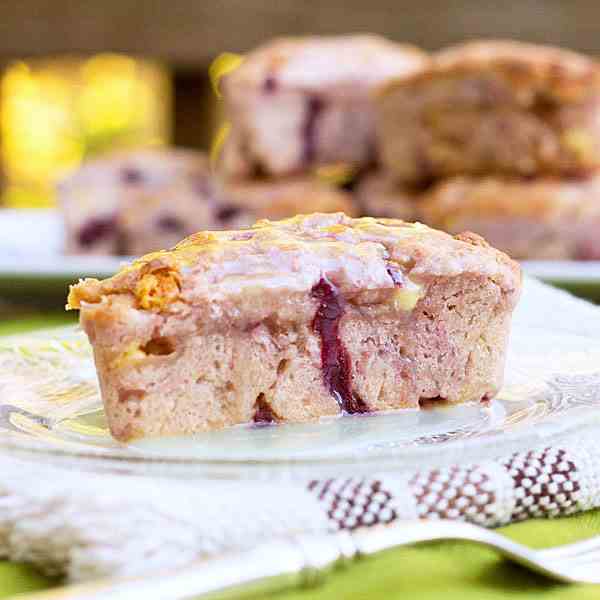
(314, 316)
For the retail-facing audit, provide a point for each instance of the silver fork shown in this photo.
(306, 560)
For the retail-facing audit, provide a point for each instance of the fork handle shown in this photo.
(270, 567)
(275, 565)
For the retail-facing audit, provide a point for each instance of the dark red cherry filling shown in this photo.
(263, 413)
(171, 224)
(588, 248)
(131, 175)
(202, 186)
(270, 84)
(314, 107)
(486, 398)
(335, 361)
(96, 230)
(227, 212)
(396, 274)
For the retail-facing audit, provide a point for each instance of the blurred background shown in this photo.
(78, 78)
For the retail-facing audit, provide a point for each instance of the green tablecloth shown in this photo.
(448, 570)
(445, 570)
(35, 321)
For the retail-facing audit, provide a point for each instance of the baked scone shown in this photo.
(131, 203)
(297, 103)
(313, 316)
(538, 218)
(493, 107)
(281, 198)
(378, 195)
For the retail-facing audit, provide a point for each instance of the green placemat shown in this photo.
(460, 571)
(36, 321)
(443, 570)
(449, 570)
(18, 579)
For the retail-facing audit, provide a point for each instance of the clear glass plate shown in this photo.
(50, 409)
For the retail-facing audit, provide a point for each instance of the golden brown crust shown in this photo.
(564, 75)
(86, 290)
(472, 238)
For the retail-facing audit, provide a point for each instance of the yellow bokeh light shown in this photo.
(54, 113)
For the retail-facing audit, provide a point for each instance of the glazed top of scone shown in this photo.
(562, 74)
(256, 271)
(139, 167)
(313, 63)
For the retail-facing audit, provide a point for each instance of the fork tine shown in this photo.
(413, 532)
(586, 558)
(572, 550)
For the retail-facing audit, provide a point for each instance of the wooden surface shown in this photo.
(189, 33)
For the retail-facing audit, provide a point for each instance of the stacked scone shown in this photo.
(297, 105)
(134, 202)
(501, 138)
